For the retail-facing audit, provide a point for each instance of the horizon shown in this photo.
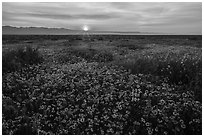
(80, 31)
(70, 29)
(154, 17)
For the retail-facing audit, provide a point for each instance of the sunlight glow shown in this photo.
(85, 28)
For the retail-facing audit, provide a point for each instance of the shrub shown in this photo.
(100, 38)
(66, 57)
(193, 38)
(92, 55)
(130, 44)
(78, 38)
(22, 56)
(179, 68)
(103, 56)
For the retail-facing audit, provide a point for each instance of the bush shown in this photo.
(100, 38)
(22, 56)
(130, 44)
(103, 56)
(65, 57)
(193, 38)
(78, 38)
(179, 68)
(92, 55)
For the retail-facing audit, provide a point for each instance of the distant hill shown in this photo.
(10, 30)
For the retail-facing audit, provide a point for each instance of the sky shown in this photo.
(173, 17)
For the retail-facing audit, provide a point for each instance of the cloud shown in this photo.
(125, 16)
(76, 16)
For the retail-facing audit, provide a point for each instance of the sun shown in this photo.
(85, 28)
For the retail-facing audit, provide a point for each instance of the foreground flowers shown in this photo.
(88, 98)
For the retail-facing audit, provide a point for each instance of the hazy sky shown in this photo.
(179, 18)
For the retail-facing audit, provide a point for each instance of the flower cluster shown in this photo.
(180, 65)
(88, 98)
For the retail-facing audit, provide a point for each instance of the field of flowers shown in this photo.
(180, 65)
(115, 91)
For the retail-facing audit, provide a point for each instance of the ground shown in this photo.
(103, 84)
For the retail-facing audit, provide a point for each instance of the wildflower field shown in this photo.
(115, 85)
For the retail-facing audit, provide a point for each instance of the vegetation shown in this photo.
(13, 60)
(180, 66)
(117, 87)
